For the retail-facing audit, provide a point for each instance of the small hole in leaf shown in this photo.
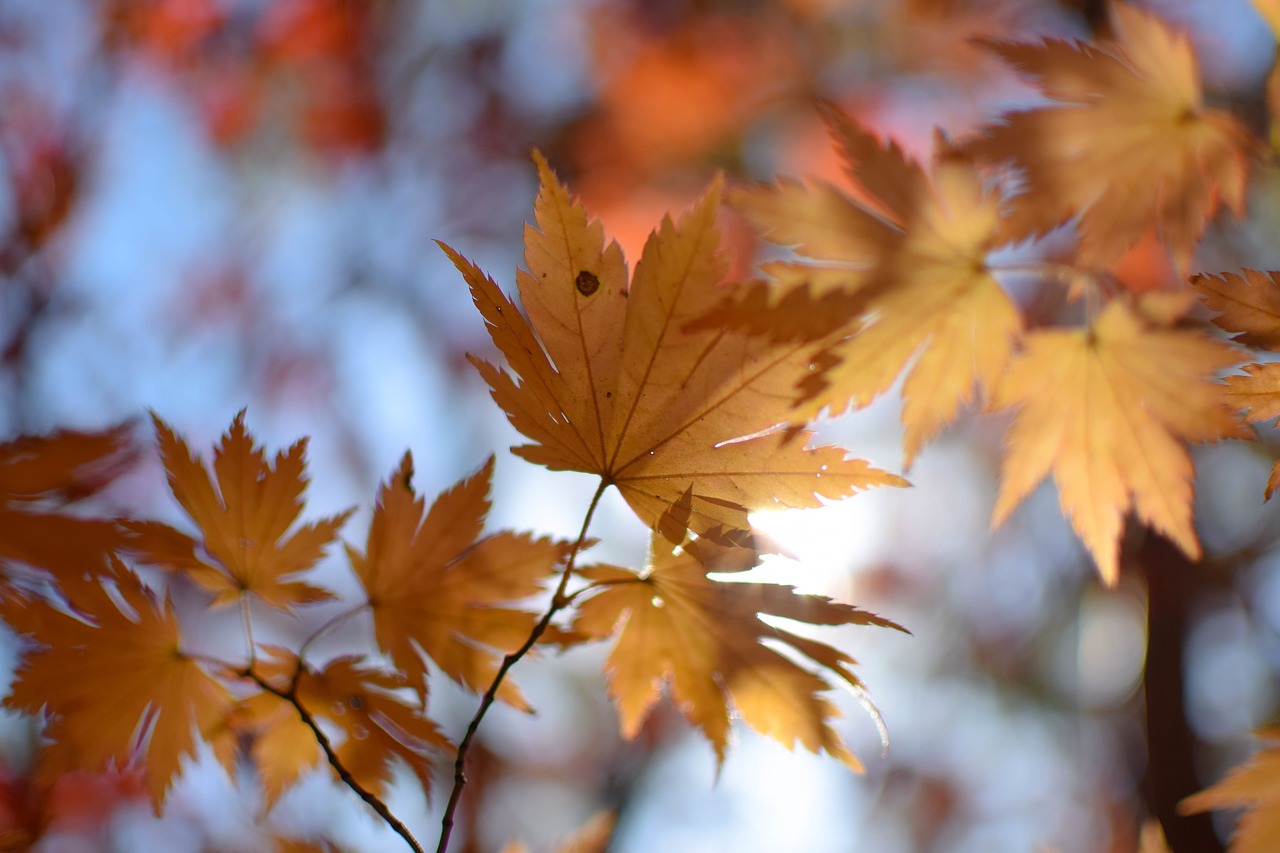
(587, 283)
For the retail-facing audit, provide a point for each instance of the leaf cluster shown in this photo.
(693, 397)
(603, 383)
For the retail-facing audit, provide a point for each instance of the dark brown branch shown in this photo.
(558, 602)
(1174, 584)
(291, 696)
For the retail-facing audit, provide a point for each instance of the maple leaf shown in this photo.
(65, 466)
(1152, 839)
(703, 637)
(592, 837)
(1130, 145)
(625, 391)
(266, 729)
(360, 702)
(1269, 10)
(1249, 307)
(244, 521)
(36, 471)
(436, 587)
(912, 255)
(117, 690)
(1124, 393)
(1254, 786)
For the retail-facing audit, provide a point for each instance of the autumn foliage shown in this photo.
(693, 396)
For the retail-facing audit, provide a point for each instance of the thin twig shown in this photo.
(592, 587)
(252, 650)
(328, 626)
(291, 696)
(558, 602)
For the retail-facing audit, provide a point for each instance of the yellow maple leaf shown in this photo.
(1255, 787)
(1249, 307)
(118, 691)
(1152, 839)
(1269, 10)
(361, 704)
(1130, 145)
(910, 257)
(703, 637)
(1107, 408)
(626, 390)
(244, 522)
(436, 587)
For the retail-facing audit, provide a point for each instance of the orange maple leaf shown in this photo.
(703, 637)
(627, 391)
(1106, 409)
(1249, 306)
(65, 466)
(117, 691)
(374, 724)
(1131, 144)
(436, 588)
(36, 471)
(911, 259)
(1253, 786)
(244, 521)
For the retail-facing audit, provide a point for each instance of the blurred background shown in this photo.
(213, 204)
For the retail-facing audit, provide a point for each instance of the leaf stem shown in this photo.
(252, 647)
(291, 696)
(1048, 269)
(329, 626)
(558, 602)
(595, 585)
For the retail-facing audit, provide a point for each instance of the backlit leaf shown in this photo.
(909, 256)
(362, 705)
(117, 692)
(627, 390)
(702, 638)
(1255, 787)
(1130, 144)
(247, 544)
(1249, 306)
(439, 590)
(1126, 392)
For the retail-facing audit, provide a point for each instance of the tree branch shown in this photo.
(1174, 584)
(291, 696)
(558, 602)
